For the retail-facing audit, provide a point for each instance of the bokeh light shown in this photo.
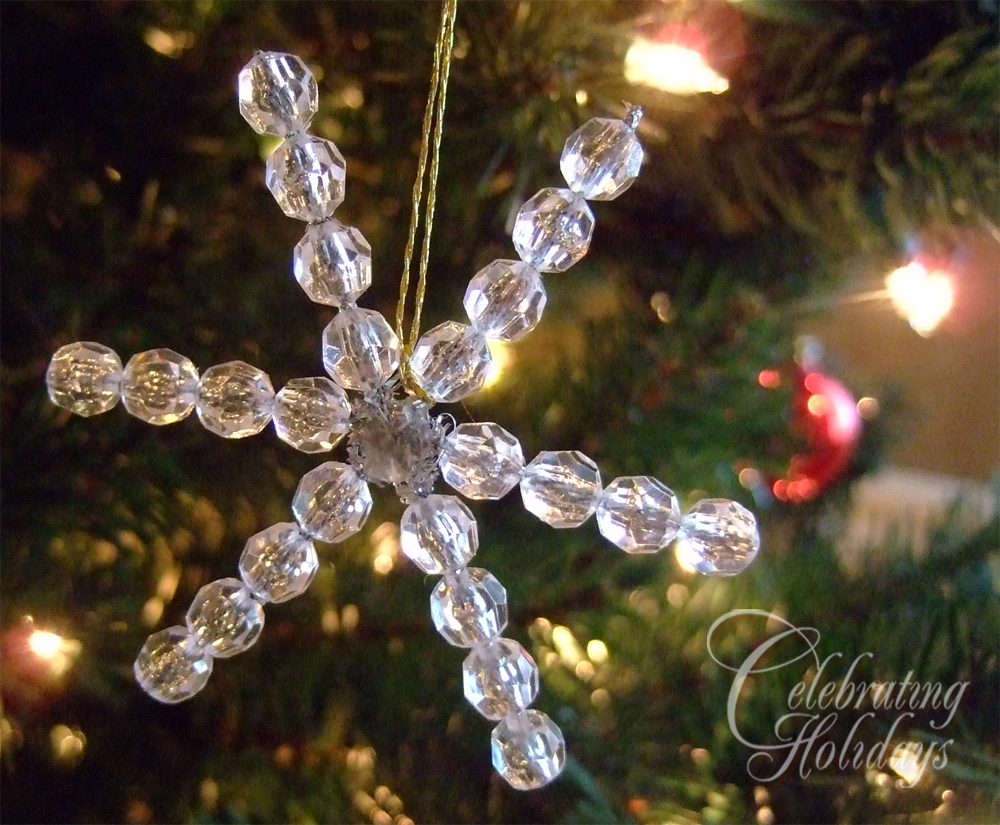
(923, 298)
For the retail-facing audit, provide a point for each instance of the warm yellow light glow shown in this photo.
(544, 627)
(45, 645)
(906, 761)
(660, 302)
(383, 563)
(600, 698)
(385, 547)
(584, 670)
(597, 651)
(167, 584)
(209, 792)
(677, 595)
(57, 653)
(330, 620)
(582, 97)
(152, 611)
(671, 68)
(566, 645)
(868, 407)
(562, 636)
(352, 97)
(386, 530)
(67, 743)
(502, 356)
(818, 404)
(169, 44)
(361, 759)
(923, 298)
(349, 617)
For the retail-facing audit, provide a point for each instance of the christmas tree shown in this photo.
(784, 142)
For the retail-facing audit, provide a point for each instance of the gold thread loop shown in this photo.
(433, 120)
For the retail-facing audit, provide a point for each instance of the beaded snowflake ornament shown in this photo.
(392, 437)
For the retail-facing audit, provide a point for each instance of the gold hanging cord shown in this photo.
(433, 115)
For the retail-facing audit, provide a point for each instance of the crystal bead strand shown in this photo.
(332, 263)
(278, 95)
(563, 488)
(224, 619)
(311, 414)
(234, 400)
(160, 386)
(469, 609)
(718, 537)
(481, 460)
(506, 298)
(84, 378)
(639, 514)
(226, 616)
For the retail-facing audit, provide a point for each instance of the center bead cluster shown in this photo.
(394, 440)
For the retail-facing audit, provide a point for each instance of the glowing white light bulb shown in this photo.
(906, 761)
(672, 68)
(923, 298)
(597, 651)
(57, 653)
(45, 645)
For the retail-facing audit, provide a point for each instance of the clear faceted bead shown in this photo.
(279, 563)
(311, 414)
(438, 534)
(171, 667)
(481, 460)
(450, 361)
(561, 487)
(360, 350)
(277, 93)
(601, 159)
(306, 175)
(500, 678)
(552, 231)
(505, 300)
(235, 399)
(332, 502)
(528, 750)
(333, 263)
(395, 441)
(84, 378)
(159, 386)
(469, 607)
(224, 618)
(718, 537)
(639, 514)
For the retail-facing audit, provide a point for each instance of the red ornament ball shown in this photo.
(825, 413)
